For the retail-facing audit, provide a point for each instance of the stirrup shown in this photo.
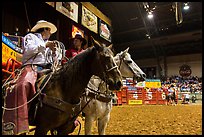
(7, 128)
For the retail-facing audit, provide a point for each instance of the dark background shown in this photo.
(129, 26)
(167, 38)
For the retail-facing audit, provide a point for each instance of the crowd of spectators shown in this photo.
(192, 84)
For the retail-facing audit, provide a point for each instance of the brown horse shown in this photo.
(60, 101)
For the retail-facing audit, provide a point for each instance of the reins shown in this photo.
(38, 92)
(53, 68)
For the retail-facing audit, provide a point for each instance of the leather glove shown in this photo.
(51, 45)
(41, 49)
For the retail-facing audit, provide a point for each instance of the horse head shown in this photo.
(105, 66)
(128, 67)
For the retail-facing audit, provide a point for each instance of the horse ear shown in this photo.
(126, 51)
(110, 46)
(92, 41)
(96, 44)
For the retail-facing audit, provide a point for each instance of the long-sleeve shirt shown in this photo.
(34, 43)
(70, 53)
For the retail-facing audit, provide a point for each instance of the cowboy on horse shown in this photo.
(22, 88)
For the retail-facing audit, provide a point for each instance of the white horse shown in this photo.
(97, 106)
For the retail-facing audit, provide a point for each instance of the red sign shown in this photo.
(185, 70)
(76, 30)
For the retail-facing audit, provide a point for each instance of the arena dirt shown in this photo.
(152, 120)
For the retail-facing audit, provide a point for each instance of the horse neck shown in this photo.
(76, 76)
(97, 83)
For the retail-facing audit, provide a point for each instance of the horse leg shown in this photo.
(40, 131)
(53, 132)
(58, 132)
(65, 129)
(62, 132)
(102, 124)
(88, 124)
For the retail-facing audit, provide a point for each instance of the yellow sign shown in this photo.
(154, 83)
(7, 53)
(19, 57)
(132, 102)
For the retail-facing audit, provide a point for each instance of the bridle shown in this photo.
(114, 67)
(121, 58)
(107, 69)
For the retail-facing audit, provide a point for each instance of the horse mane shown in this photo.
(72, 65)
(75, 71)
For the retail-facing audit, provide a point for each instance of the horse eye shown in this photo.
(128, 61)
(107, 57)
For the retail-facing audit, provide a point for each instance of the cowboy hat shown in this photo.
(44, 24)
(79, 36)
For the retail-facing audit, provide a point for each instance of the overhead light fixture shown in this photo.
(150, 15)
(148, 36)
(186, 6)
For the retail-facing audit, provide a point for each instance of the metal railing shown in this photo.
(10, 67)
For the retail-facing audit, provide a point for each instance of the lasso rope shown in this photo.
(53, 68)
(31, 98)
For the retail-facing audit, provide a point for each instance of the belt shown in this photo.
(44, 66)
(40, 66)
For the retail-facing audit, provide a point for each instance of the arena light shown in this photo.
(150, 15)
(186, 6)
(148, 36)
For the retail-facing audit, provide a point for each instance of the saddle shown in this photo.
(41, 81)
(56, 103)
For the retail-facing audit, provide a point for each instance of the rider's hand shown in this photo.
(41, 49)
(51, 45)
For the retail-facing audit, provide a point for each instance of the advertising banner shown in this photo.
(7, 53)
(132, 102)
(69, 9)
(140, 84)
(51, 4)
(10, 50)
(104, 30)
(76, 30)
(152, 83)
(89, 20)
